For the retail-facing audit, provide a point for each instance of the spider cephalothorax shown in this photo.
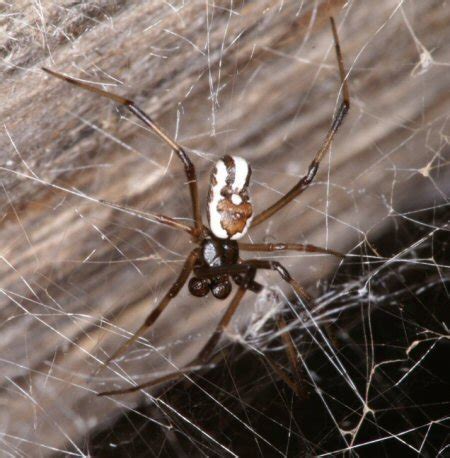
(214, 253)
(215, 260)
(229, 208)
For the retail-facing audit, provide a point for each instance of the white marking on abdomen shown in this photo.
(241, 172)
(236, 199)
(214, 215)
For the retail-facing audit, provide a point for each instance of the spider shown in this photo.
(215, 262)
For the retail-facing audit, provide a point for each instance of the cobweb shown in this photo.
(373, 348)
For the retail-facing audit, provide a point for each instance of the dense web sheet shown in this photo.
(83, 259)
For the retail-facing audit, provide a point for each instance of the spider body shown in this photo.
(216, 261)
(229, 216)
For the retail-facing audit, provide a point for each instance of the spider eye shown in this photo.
(198, 287)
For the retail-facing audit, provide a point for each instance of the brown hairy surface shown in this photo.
(258, 81)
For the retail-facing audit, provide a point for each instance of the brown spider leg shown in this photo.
(230, 269)
(291, 352)
(276, 367)
(181, 153)
(153, 316)
(204, 355)
(287, 247)
(289, 344)
(166, 220)
(284, 274)
(306, 180)
(206, 351)
(252, 286)
(285, 334)
(294, 385)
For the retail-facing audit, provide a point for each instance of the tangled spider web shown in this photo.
(259, 80)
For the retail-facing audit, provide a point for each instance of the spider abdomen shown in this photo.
(229, 208)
